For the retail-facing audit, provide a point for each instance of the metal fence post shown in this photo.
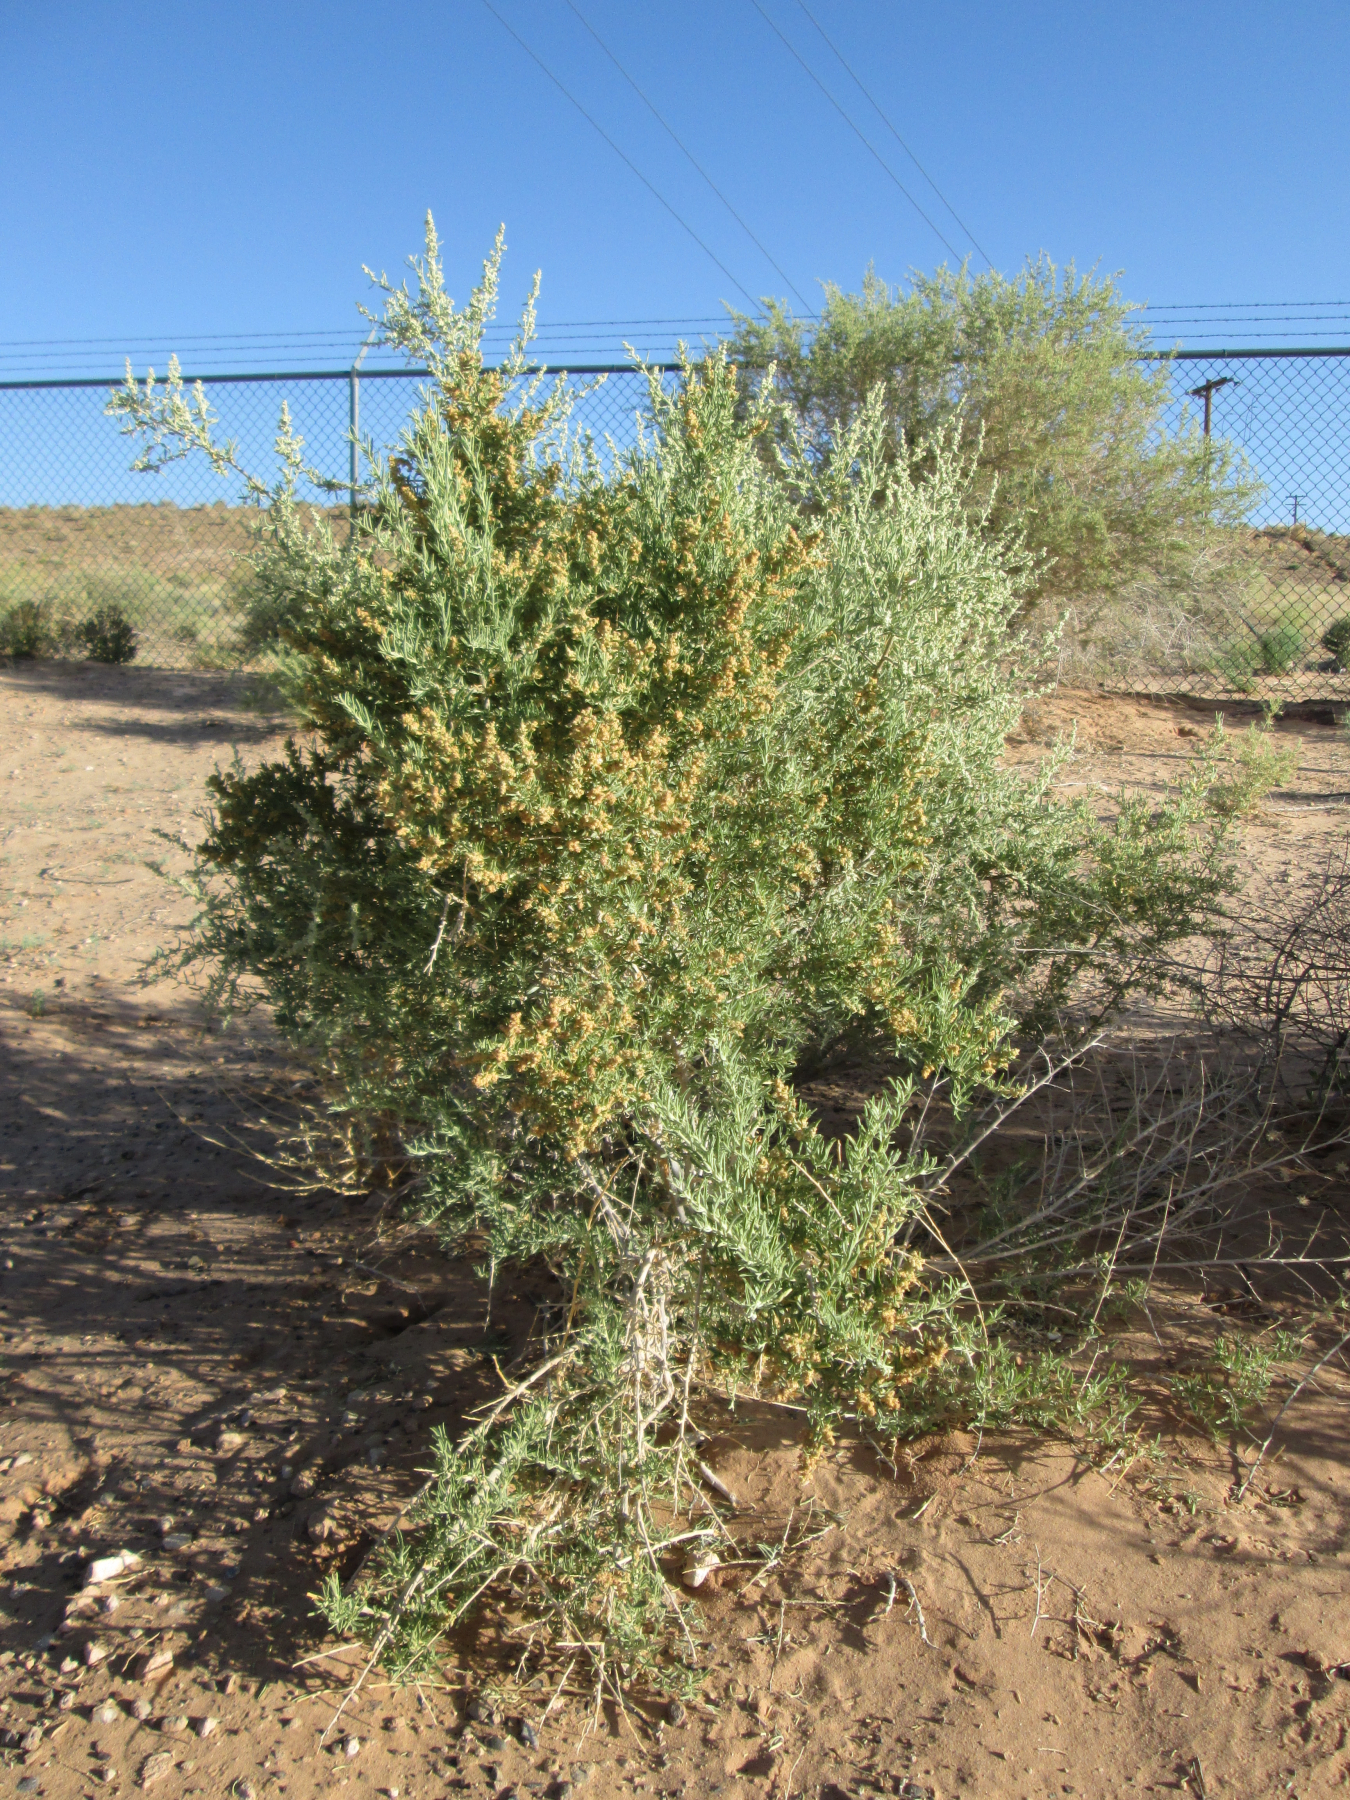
(354, 413)
(353, 420)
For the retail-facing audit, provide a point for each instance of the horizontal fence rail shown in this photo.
(96, 559)
(86, 542)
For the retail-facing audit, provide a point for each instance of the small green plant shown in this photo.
(1237, 662)
(1280, 648)
(28, 630)
(108, 635)
(1274, 651)
(1226, 1395)
(1260, 765)
(1336, 640)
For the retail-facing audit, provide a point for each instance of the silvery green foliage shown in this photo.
(628, 795)
(1044, 378)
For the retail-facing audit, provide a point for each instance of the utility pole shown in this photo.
(1295, 498)
(1207, 390)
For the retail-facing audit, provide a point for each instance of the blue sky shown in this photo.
(184, 172)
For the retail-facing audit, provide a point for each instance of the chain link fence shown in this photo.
(1270, 616)
(98, 559)
(95, 559)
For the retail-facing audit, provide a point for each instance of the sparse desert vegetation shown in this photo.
(832, 1089)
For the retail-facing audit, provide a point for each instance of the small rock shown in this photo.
(675, 1714)
(109, 1713)
(141, 1709)
(177, 1725)
(105, 1568)
(217, 1592)
(94, 1652)
(67, 1701)
(228, 1442)
(495, 1743)
(581, 1773)
(204, 1727)
(28, 1784)
(528, 1735)
(155, 1767)
(31, 1739)
(107, 1774)
(306, 1481)
(165, 1524)
(376, 1455)
(153, 1662)
(231, 1684)
(244, 1790)
(352, 1747)
(697, 1570)
(177, 1540)
(480, 1711)
(321, 1525)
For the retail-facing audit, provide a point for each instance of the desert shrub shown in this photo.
(1041, 377)
(1238, 662)
(1280, 648)
(1259, 764)
(1161, 629)
(109, 636)
(1274, 651)
(30, 629)
(626, 797)
(1280, 979)
(1336, 639)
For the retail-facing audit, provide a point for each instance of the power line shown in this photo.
(839, 57)
(331, 337)
(852, 127)
(683, 223)
(688, 155)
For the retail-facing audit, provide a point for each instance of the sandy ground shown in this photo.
(237, 1385)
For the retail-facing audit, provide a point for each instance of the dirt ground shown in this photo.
(237, 1385)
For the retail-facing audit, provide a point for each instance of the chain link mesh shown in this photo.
(86, 543)
(1277, 622)
(98, 559)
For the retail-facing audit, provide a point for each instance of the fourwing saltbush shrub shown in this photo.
(626, 790)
